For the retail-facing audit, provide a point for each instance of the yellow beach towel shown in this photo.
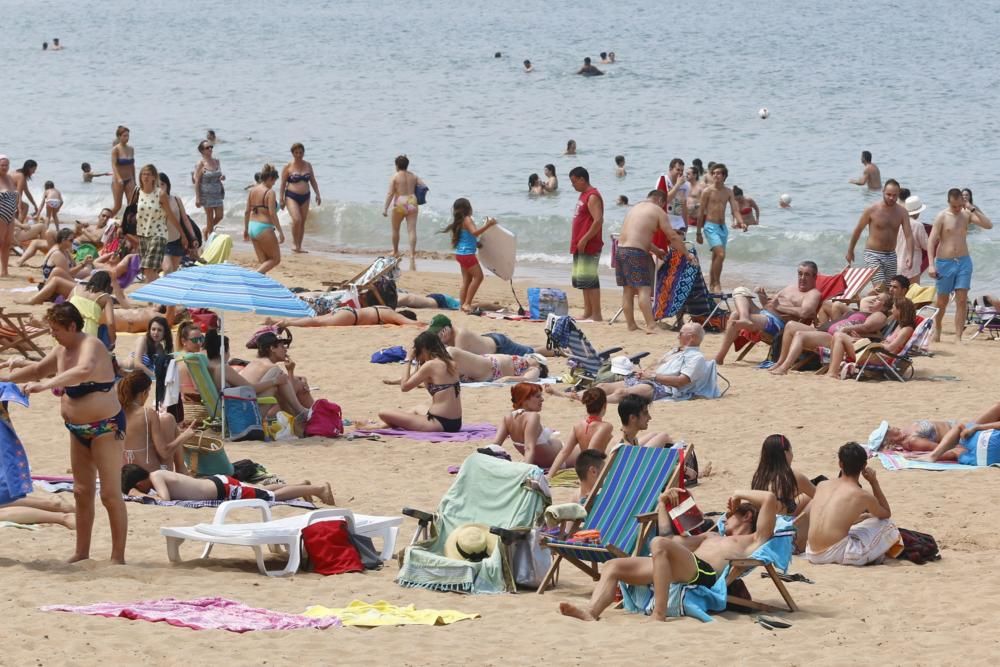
(565, 477)
(366, 615)
(90, 311)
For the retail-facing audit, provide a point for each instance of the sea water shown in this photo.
(360, 82)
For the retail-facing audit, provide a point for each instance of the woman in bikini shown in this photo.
(792, 488)
(923, 435)
(137, 320)
(403, 199)
(9, 198)
(82, 368)
(21, 178)
(498, 367)
(551, 183)
(296, 178)
(209, 193)
(436, 370)
(123, 170)
(260, 221)
(749, 210)
(349, 316)
(524, 427)
(591, 433)
(153, 442)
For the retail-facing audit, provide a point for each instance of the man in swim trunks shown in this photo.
(171, 485)
(950, 263)
(488, 343)
(634, 269)
(835, 533)
(712, 222)
(870, 175)
(799, 302)
(693, 561)
(586, 242)
(884, 219)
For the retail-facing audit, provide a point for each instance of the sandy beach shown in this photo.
(892, 614)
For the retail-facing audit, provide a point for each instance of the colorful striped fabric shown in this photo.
(855, 277)
(224, 287)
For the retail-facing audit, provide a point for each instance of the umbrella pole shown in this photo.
(222, 369)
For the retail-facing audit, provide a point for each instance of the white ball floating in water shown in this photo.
(763, 112)
(786, 199)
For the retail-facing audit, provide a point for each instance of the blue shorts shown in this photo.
(445, 302)
(506, 346)
(953, 274)
(982, 448)
(716, 234)
(775, 325)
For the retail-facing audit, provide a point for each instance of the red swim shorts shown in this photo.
(467, 261)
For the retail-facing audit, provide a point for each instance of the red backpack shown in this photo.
(325, 420)
(330, 549)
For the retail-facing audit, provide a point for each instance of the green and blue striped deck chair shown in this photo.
(197, 367)
(627, 490)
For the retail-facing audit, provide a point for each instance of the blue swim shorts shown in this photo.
(982, 448)
(716, 234)
(953, 274)
(775, 325)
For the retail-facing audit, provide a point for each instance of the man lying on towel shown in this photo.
(696, 561)
(175, 486)
(848, 525)
(487, 343)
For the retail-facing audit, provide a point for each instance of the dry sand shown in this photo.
(889, 614)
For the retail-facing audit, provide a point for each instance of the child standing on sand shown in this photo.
(465, 241)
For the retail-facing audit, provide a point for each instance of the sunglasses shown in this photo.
(197, 339)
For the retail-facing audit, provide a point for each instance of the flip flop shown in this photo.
(771, 622)
(798, 576)
(765, 365)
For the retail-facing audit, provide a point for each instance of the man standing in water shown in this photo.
(712, 220)
(950, 263)
(586, 242)
(883, 219)
(870, 175)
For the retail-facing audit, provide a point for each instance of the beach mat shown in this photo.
(362, 614)
(468, 433)
(674, 280)
(201, 614)
(477, 385)
(894, 462)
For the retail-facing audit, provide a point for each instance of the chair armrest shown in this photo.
(646, 517)
(250, 503)
(636, 357)
(421, 516)
(604, 354)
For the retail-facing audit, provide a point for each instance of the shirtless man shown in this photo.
(171, 485)
(884, 220)
(870, 175)
(950, 263)
(848, 525)
(697, 560)
(403, 199)
(487, 343)
(588, 69)
(799, 302)
(712, 219)
(634, 269)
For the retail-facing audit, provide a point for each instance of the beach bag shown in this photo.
(280, 427)
(328, 545)
(918, 547)
(420, 192)
(205, 455)
(246, 470)
(545, 300)
(204, 318)
(389, 355)
(371, 559)
(326, 420)
(530, 561)
(685, 517)
(128, 226)
(242, 414)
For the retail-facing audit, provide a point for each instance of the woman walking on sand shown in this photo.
(209, 192)
(260, 221)
(296, 178)
(122, 169)
(403, 199)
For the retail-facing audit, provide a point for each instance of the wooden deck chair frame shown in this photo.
(646, 523)
(392, 265)
(23, 340)
(741, 566)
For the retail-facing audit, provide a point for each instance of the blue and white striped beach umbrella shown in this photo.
(224, 287)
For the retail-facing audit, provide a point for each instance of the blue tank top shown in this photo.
(467, 243)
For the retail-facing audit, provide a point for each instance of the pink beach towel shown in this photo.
(468, 433)
(201, 614)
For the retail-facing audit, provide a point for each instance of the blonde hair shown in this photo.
(150, 169)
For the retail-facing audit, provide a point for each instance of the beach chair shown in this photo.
(487, 491)
(17, 334)
(217, 249)
(564, 335)
(622, 509)
(383, 268)
(279, 535)
(985, 318)
(876, 360)
(211, 413)
(855, 279)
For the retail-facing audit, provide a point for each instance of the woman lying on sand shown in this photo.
(137, 320)
(348, 316)
(34, 509)
(498, 367)
(524, 427)
(175, 486)
(923, 435)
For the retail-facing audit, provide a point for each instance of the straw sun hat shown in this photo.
(471, 541)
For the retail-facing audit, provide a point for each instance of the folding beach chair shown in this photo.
(875, 359)
(586, 365)
(382, 269)
(621, 508)
(208, 393)
(855, 279)
(487, 491)
(986, 318)
(17, 334)
(775, 552)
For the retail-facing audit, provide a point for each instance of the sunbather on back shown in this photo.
(923, 435)
(835, 533)
(972, 443)
(498, 367)
(175, 486)
(487, 343)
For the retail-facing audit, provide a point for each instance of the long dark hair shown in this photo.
(774, 472)
(460, 210)
(431, 344)
(99, 283)
(168, 342)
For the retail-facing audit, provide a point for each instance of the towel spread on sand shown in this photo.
(14, 524)
(201, 614)
(476, 385)
(382, 613)
(566, 477)
(198, 504)
(895, 462)
(468, 433)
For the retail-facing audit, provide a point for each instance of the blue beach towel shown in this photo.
(15, 475)
(389, 355)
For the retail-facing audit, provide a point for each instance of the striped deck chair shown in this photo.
(565, 335)
(855, 279)
(621, 508)
(211, 413)
(17, 334)
(382, 267)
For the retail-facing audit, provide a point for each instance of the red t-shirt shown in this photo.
(582, 220)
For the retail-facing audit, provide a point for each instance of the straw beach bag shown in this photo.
(206, 455)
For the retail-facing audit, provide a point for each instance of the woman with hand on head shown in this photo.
(296, 178)
(436, 371)
(260, 221)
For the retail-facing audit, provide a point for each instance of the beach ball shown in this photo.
(786, 199)
(763, 112)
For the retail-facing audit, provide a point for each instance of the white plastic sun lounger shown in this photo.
(279, 535)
